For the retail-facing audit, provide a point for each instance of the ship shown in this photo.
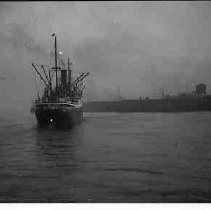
(61, 103)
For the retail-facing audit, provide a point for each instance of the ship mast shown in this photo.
(69, 75)
(56, 67)
(69, 71)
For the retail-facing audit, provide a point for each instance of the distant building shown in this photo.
(201, 89)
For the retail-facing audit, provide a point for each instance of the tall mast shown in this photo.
(69, 73)
(56, 63)
(50, 84)
(68, 64)
(56, 67)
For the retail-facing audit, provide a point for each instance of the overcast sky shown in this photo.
(139, 48)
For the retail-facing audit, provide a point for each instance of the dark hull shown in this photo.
(58, 117)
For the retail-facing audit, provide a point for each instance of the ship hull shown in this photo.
(59, 116)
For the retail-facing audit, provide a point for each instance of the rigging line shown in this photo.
(45, 74)
(34, 75)
(42, 65)
(40, 75)
(80, 72)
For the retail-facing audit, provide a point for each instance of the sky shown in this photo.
(132, 49)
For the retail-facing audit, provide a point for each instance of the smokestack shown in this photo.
(64, 78)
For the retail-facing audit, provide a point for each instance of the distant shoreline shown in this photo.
(151, 105)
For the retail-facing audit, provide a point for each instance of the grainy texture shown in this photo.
(139, 157)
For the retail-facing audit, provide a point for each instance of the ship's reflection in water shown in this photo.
(57, 150)
(58, 146)
(108, 158)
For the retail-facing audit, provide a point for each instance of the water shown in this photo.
(139, 157)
